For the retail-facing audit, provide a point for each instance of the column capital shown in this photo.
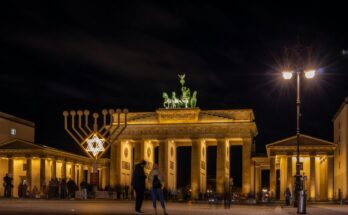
(221, 139)
(248, 140)
(312, 154)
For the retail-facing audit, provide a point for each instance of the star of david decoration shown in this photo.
(95, 145)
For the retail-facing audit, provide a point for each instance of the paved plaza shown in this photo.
(53, 207)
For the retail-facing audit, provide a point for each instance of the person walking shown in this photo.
(7, 186)
(83, 187)
(71, 185)
(138, 183)
(156, 181)
(287, 196)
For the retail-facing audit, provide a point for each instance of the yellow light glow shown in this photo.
(287, 75)
(310, 74)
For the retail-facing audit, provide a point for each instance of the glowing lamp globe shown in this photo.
(287, 75)
(310, 74)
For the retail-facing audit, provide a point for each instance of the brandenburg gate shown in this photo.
(170, 128)
(180, 123)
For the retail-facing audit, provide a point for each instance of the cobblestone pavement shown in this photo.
(99, 207)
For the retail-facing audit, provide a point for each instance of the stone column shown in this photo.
(73, 171)
(82, 173)
(54, 168)
(63, 169)
(28, 174)
(10, 171)
(246, 166)
(10, 166)
(330, 177)
(289, 174)
(283, 176)
(120, 163)
(257, 180)
(312, 178)
(42, 172)
(198, 168)
(115, 163)
(272, 178)
(222, 166)
(107, 174)
(144, 150)
(167, 162)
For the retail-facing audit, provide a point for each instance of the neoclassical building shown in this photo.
(23, 159)
(317, 158)
(169, 128)
(156, 135)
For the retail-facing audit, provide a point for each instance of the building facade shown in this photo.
(155, 136)
(340, 125)
(168, 129)
(317, 162)
(23, 159)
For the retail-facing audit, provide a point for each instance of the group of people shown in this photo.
(155, 179)
(61, 189)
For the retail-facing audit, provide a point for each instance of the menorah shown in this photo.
(95, 142)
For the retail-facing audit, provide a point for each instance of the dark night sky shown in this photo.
(69, 55)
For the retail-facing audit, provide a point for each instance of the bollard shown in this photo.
(301, 209)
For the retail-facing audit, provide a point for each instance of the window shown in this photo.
(13, 131)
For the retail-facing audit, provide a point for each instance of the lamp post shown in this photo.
(288, 75)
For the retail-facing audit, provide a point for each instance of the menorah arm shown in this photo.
(73, 126)
(104, 124)
(80, 126)
(86, 123)
(121, 131)
(68, 131)
(118, 125)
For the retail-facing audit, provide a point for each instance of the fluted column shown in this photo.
(54, 168)
(222, 166)
(10, 170)
(330, 177)
(246, 165)
(82, 174)
(312, 178)
(73, 177)
(115, 164)
(42, 172)
(28, 173)
(257, 180)
(167, 162)
(107, 174)
(289, 173)
(10, 166)
(283, 176)
(272, 178)
(121, 163)
(144, 150)
(198, 168)
(63, 169)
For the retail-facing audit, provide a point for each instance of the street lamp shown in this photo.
(287, 74)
